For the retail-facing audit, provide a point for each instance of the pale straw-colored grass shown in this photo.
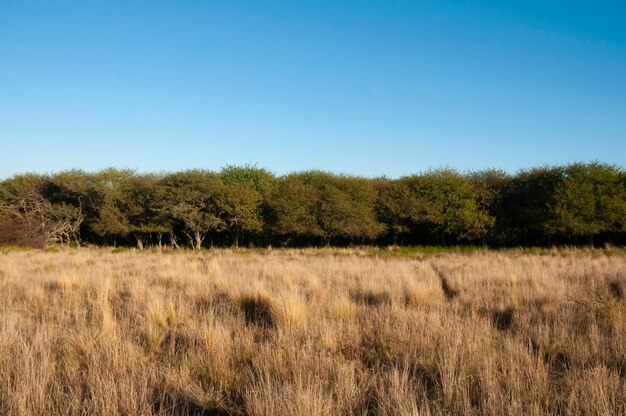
(312, 332)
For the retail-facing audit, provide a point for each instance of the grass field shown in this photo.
(312, 332)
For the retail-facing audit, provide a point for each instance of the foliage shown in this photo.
(575, 204)
(590, 200)
(194, 198)
(447, 205)
(292, 208)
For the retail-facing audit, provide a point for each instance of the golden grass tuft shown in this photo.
(344, 309)
(291, 311)
(420, 294)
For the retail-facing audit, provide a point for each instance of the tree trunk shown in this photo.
(191, 240)
(236, 238)
(197, 240)
(173, 241)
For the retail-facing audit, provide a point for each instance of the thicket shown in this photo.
(574, 204)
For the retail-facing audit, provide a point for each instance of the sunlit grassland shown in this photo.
(361, 331)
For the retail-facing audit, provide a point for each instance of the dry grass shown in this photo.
(305, 332)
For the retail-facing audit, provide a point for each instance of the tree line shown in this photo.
(581, 203)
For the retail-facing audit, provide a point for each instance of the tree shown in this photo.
(110, 220)
(397, 207)
(241, 210)
(194, 198)
(24, 208)
(490, 186)
(260, 180)
(24, 204)
(588, 201)
(525, 212)
(73, 192)
(244, 201)
(344, 208)
(292, 209)
(146, 208)
(448, 206)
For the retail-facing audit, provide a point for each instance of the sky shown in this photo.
(359, 87)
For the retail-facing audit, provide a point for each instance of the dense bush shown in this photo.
(575, 204)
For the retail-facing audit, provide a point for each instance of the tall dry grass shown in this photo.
(334, 332)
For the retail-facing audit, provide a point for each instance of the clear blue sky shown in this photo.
(370, 88)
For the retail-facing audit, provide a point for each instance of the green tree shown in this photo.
(490, 186)
(241, 210)
(525, 212)
(195, 200)
(292, 209)
(448, 206)
(588, 201)
(396, 207)
(75, 191)
(244, 203)
(146, 208)
(260, 180)
(345, 207)
(110, 221)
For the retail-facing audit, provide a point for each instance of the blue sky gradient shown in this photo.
(369, 88)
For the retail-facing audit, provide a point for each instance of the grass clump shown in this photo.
(344, 309)
(419, 295)
(291, 311)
